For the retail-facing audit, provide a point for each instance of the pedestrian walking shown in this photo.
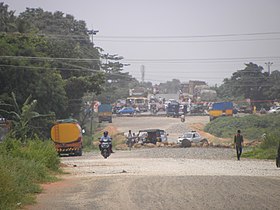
(129, 139)
(238, 142)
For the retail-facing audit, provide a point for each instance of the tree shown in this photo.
(25, 76)
(22, 118)
(117, 82)
(76, 88)
(273, 90)
(48, 35)
(7, 19)
(250, 82)
(170, 86)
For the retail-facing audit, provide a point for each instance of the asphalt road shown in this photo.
(163, 178)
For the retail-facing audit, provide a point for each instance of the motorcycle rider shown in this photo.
(107, 138)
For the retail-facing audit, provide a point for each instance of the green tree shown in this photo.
(25, 76)
(117, 82)
(7, 19)
(22, 118)
(273, 90)
(250, 82)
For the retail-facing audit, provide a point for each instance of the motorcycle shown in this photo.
(183, 118)
(105, 148)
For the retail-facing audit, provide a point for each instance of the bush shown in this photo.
(9, 195)
(266, 150)
(39, 151)
(22, 168)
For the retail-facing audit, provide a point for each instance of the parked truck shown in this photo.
(105, 113)
(221, 109)
(67, 137)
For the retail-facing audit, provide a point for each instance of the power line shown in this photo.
(188, 41)
(150, 60)
(47, 68)
(192, 36)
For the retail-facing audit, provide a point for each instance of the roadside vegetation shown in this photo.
(252, 126)
(23, 167)
(266, 150)
(263, 128)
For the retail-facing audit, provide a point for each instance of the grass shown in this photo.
(252, 126)
(266, 150)
(23, 168)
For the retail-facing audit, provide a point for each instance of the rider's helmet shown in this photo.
(105, 133)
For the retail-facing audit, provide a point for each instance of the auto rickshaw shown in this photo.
(152, 136)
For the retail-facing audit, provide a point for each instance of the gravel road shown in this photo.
(163, 178)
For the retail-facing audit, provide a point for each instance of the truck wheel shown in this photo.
(110, 121)
(186, 143)
(79, 152)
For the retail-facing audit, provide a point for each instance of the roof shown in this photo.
(150, 130)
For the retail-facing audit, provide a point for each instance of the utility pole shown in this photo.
(268, 66)
(142, 69)
(92, 32)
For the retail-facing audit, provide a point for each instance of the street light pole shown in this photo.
(268, 66)
(92, 32)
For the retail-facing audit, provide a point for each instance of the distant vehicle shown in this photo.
(246, 109)
(221, 109)
(197, 109)
(126, 110)
(173, 109)
(152, 136)
(274, 110)
(116, 109)
(105, 113)
(190, 137)
(140, 102)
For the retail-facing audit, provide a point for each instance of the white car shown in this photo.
(192, 136)
(274, 110)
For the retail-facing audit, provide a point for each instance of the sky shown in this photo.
(178, 39)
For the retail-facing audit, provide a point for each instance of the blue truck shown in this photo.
(221, 109)
(105, 113)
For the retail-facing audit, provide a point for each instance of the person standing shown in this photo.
(238, 142)
(129, 139)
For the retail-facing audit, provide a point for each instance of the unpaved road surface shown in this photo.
(163, 178)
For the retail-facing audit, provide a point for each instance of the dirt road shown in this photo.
(163, 178)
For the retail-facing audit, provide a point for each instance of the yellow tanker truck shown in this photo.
(67, 137)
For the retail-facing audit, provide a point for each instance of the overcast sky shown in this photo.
(173, 39)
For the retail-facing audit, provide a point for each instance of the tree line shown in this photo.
(49, 57)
